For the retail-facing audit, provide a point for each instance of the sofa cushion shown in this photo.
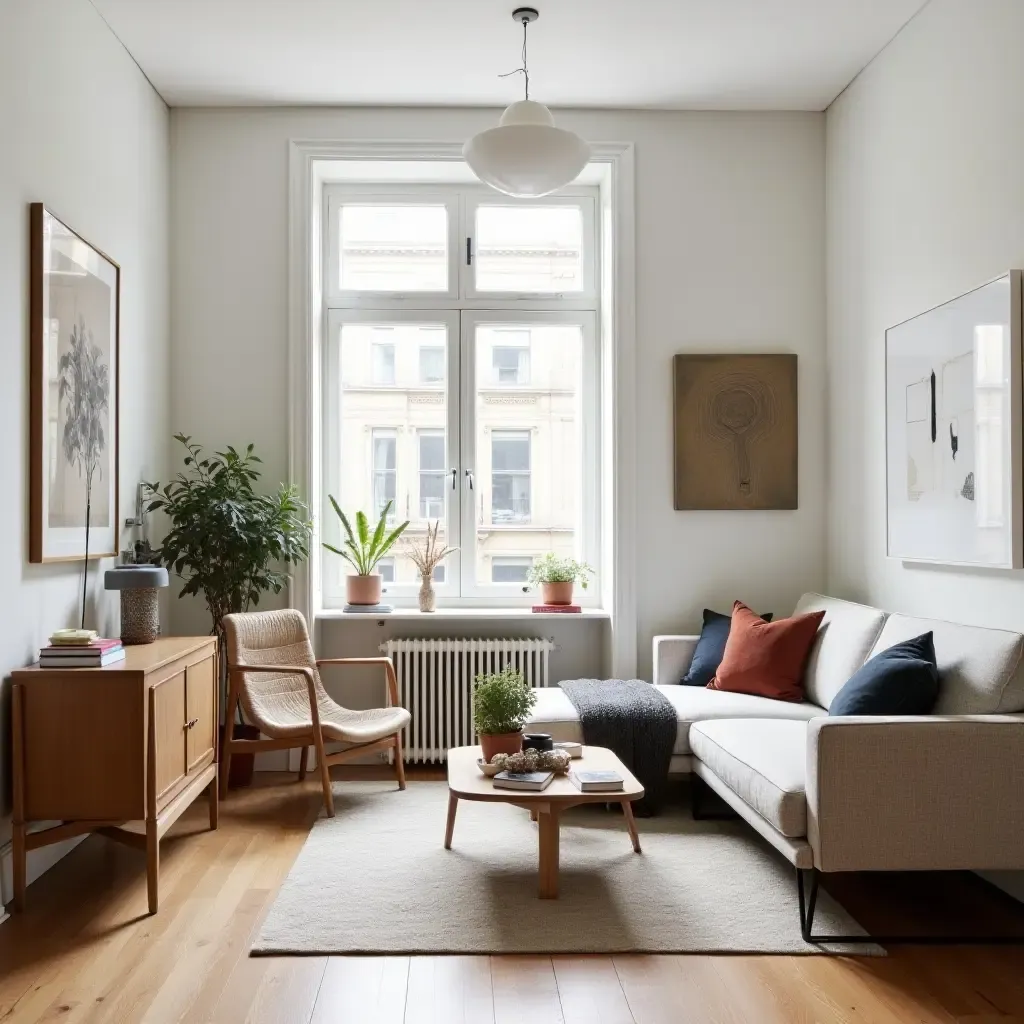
(901, 680)
(980, 670)
(554, 712)
(707, 655)
(845, 638)
(763, 762)
(766, 658)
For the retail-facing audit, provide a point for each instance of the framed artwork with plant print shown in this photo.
(74, 304)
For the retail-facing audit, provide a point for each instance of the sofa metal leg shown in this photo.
(808, 898)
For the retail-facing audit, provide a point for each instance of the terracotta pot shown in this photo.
(492, 743)
(363, 589)
(556, 593)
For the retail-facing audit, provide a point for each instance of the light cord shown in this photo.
(524, 70)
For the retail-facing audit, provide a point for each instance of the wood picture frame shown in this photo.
(735, 436)
(74, 387)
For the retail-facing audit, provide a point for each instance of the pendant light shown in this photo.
(526, 155)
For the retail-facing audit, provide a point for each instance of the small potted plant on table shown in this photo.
(502, 702)
(556, 576)
(363, 551)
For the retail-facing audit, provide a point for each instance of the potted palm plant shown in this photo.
(363, 551)
(556, 577)
(502, 703)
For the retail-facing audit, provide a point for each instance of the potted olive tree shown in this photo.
(363, 551)
(502, 703)
(556, 577)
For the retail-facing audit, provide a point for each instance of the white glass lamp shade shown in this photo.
(526, 155)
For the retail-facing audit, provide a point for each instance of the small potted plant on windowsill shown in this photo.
(502, 703)
(556, 576)
(363, 551)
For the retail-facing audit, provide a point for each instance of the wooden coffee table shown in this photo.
(467, 782)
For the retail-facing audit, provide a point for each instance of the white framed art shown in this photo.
(954, 422)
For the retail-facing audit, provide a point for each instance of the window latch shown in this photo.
(469, 251)
(469, 478)
(455, 475)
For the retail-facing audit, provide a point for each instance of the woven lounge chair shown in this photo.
(274, 676)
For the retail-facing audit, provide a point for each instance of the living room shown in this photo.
(787, 192)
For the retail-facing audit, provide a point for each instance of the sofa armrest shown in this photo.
(672, 657)
(916, 793)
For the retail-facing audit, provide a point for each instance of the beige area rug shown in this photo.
(376, 879)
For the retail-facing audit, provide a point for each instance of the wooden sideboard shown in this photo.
(120, 750)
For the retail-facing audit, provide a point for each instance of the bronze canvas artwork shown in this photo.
(735, 432)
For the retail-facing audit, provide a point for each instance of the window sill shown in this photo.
(463, 614)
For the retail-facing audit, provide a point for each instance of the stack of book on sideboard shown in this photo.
(80, 648)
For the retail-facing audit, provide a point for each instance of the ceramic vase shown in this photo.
(428, 599)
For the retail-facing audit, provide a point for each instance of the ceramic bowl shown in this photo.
(488, 769)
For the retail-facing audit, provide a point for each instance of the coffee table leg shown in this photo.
(547, 833)
(453, 806)
(627, 813)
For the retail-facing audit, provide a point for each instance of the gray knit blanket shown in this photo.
(634, 720)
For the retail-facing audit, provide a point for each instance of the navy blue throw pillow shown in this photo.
(710, 649)
(901, 680)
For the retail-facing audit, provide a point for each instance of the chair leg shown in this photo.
(303, 762)
(229, 727)
(399, 767)
(325, 773)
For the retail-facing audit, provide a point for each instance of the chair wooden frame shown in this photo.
(314, 738)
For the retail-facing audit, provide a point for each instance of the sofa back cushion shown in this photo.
(766, 658)
(980, 670)
(845, 639)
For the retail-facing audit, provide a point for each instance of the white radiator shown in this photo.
(435, 684)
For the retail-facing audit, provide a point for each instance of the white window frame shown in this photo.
(334, 567)
(393, 196)
(460, 313)
(585, 199)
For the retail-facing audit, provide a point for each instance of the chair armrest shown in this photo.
(389, 671)
(937, 792)
(672, 657)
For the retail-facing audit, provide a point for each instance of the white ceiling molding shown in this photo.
(659, 54)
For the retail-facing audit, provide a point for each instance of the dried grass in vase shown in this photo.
(427, 556)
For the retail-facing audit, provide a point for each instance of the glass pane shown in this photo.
(400, 248)
(432, 364)
(510, 570)
(390, 432)
(528, 446)
(529, 248)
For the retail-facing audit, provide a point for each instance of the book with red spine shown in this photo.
(569, 609)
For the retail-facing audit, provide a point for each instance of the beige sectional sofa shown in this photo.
(943, 791)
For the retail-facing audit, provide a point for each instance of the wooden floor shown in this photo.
(86, 951)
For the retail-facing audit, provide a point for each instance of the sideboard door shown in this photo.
(201, 703)
(170, 733)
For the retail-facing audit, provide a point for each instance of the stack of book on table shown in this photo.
(80, 648)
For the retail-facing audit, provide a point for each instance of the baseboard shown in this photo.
(38, 863)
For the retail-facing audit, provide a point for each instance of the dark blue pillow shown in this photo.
(710, 649)
(901, 680)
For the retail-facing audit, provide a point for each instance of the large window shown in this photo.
(474, 391)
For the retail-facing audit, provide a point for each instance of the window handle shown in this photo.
(469, 478)
(455, 476)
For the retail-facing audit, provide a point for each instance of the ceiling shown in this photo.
(667, 54)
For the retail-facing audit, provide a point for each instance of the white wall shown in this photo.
(730, 257)
(84, 132)
(925, 152)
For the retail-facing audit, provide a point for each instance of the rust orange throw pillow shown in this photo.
(766, 658)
